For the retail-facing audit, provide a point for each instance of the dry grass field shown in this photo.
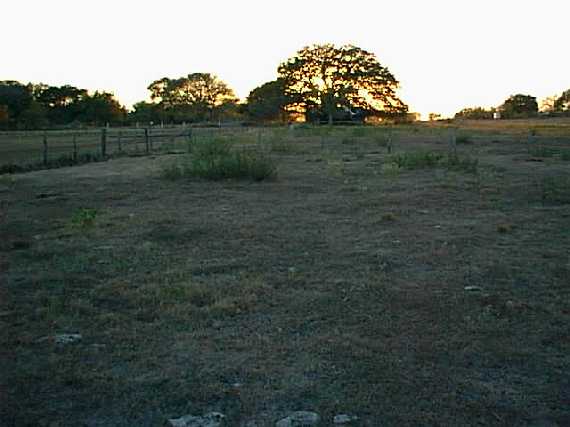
(378, 275)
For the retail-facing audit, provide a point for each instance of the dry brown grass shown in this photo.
(334, 289)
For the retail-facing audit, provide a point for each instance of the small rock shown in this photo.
(212, 419)
(473, 288)
(299, 419)
(98, 346)
(67, 338)
(516, 305)
(344, 419)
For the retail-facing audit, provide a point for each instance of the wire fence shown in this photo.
(76, 146)
(61, 148)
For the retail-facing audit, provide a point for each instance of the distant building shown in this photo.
(496, 115)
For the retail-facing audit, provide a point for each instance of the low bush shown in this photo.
(430, 159)
(216, 159)
(84, 217)
(463, 139)
(416, 159)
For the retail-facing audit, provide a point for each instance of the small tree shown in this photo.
(267, 102)
(562, 103)
(477, 113)
(100, 108)
(194, 97)
(34, 117)
(62, 103)
(519, 106)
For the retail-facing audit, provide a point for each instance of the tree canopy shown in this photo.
(519, 106)
(35, 106)
(267, 102)
(476, 113)
(324, 80)
(196, 97)
(562, 103)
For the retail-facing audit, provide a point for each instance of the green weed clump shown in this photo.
(84, 218)
(430, 159)
(215, 159)
(463, 139)
(416, 160)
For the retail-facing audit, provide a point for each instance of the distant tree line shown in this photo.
(320, 83)
(38, 106)
(521, 107)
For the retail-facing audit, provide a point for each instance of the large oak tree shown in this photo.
(327, 80)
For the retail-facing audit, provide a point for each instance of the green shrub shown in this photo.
(416, 159)
(391, 169)
(463, 139)
(215, 159)
(84, 217)
(430, 159)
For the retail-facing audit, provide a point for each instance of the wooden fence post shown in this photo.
(74, 148)
(45, 149)
(104, 142)
(146, 140)
(189, 144)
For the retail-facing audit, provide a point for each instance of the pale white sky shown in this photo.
(447, 54)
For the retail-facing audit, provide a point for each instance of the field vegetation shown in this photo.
(406, 275)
